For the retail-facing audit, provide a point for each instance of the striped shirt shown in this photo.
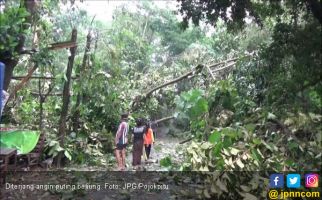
(122, 132)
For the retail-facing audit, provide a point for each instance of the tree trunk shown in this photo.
(66, 95)
(41, 108)
(93, 58)
(82, 70)
(11, 62)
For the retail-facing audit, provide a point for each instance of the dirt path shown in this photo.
(163, 147)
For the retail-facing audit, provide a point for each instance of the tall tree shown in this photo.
(14, 24)
(81, 79)
(66, 94)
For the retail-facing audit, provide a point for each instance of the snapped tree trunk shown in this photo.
(66, 95)
(82, 70)
(42, 99)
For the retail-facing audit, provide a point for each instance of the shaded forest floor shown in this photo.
(165, 147)
(97, 175)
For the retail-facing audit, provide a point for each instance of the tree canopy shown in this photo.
(227, 86)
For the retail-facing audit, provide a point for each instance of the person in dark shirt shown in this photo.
(138, 136)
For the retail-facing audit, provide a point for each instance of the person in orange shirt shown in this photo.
(148, 140)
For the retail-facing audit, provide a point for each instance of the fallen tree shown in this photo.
(193, 72)
(227, 64)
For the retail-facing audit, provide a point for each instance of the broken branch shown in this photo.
(196, 69)
(163, 119)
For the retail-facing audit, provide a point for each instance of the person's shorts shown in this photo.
(120, 146)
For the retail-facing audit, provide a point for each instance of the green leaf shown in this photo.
(215, 137)
(232, 133)
(256, 141)
(292, 145)
(51, 151)
(166, 162)
(217, 149)
(67, 154)
(59, 148)
(250, 127)
(255, 155)
(23, 12)
(227, 142)
(199, 108)
(52, 143)
(269, 146)
(65, 77)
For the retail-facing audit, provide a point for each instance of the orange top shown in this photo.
(149, 139)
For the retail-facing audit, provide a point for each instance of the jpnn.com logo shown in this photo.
(276, 181)
(293, 180)
(311, 180)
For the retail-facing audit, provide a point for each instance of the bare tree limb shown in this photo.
(36, 77)
(51, 87)
(223, 62)
(195, 70)
(185, 141)
(210, 72)
(163, 119)
(50, 94)
(23, 82)
(227, 66)
(62, 45)
(92, 20)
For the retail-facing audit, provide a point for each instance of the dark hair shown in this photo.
(124, 115)
(139, 121)
(148, 124)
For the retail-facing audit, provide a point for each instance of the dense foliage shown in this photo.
(262, 113)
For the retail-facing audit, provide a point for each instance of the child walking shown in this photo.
(148, 140)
